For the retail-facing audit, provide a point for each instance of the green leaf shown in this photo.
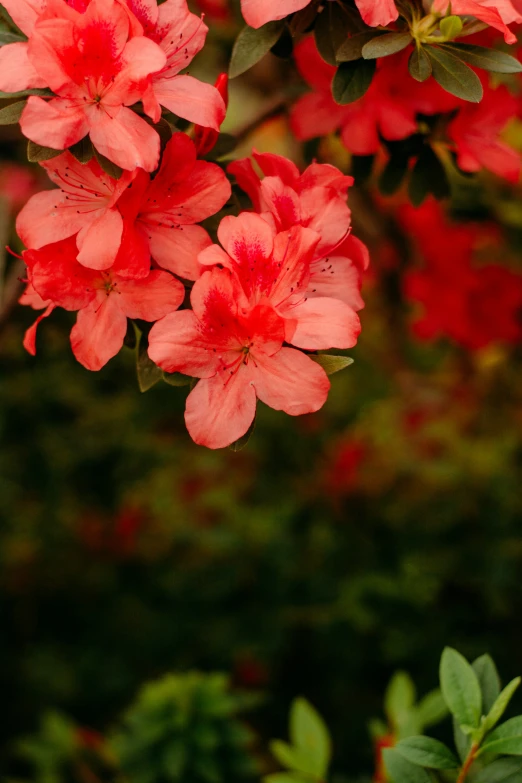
(108, 166)
(451, 26)
(428, 176)
(351, 80)
(251, 45)
(10, 115)
(292, 758)
(506, 738)
(499, 707)
(454, 76)
(176, 379)
(352, 48)
(399, 698)
(148, 373)
(332, 364)
(432, 709)
(384, 45)
(501, 771)
(489, 681)
(241, 442)
(401, 770)
(310, 736)
(394, 172)
(419, 64)
(427, 752)
(330, 32)
(482, 57)
(37, 153)
(462, 741)
(82, 150)
(460, 687)
(9, 38)
(285, 777)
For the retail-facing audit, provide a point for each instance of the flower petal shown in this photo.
(323, 323)
(258, 12)
(126, 140)
(100, 240)
(46, 219)
(58, 124)
(177, 344)
(29, 341)
(152, 298)
(191, 99)
(221, 409)
(177, 249)
(291, 382)
(17, 73)
(99, 332)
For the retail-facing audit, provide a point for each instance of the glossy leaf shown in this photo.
(108, 166)
(489, 681)
(83, 151)
(309, 734)
(352, 80)
(176, 379)
(501, 771)
(353, 46)
(330, 32)
(432, 708)
(427, 752)
(499, 707)
(401, 770)
(419, 64)
(451, 26)
(506, 738)
(292, 758)
(240, 443)
(10, 115)
(460, 687)
(384, 45)
(454, 76)
(251, 45)
(482, 57)
(332, 364)
(37, 153)
(8, 38)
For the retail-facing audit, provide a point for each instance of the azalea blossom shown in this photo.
(96, 71)
(237, 352)
(180, 35)
(104, 300)
(495, 13)
(388, 109)
(85, 206)
(315, 199)
(259, 12)
(476, 130)
(160, 215)
(473, 305)
(276, 267)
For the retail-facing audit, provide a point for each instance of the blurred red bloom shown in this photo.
(470, 304)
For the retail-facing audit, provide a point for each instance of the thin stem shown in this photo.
(470, 758)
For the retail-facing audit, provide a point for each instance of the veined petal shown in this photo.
(178, 249)
(191, 99)
(46, 219)
(126, 140)
(337, 277)
(99, 241)
(99, 332)
(380, 13)
(323, 323)
(290, 381)
(182, 34)
(17, 73)
(57, 276)
(177, 344)
(58, 124)
(220, 410)
(277, 166)
(258, 12)
(152, 298)
(24, 13)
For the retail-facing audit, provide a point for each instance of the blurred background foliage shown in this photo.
(330, 552)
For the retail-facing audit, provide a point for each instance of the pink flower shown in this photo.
(104, 300)
(476, 129)
(388, 109)
(495, 13)
(258, 12)
(96, 72)
(237, 352)
(276, 268)
(159, 215)
(85, 207)
(206, 138)
(181, 35)
(315, 199)
(16, 71)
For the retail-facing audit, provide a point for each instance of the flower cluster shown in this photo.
(98, 58)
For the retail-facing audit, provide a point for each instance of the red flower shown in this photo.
(388, 109)
(259, 12)
(206, 138)
(181, 35)
(495, 13)
(96, 72)
(238, 353)
(315, 199)
(159, 215)
(476, 129)
(276, 268)
(85, 205)
(104, 300)
(472, 305)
